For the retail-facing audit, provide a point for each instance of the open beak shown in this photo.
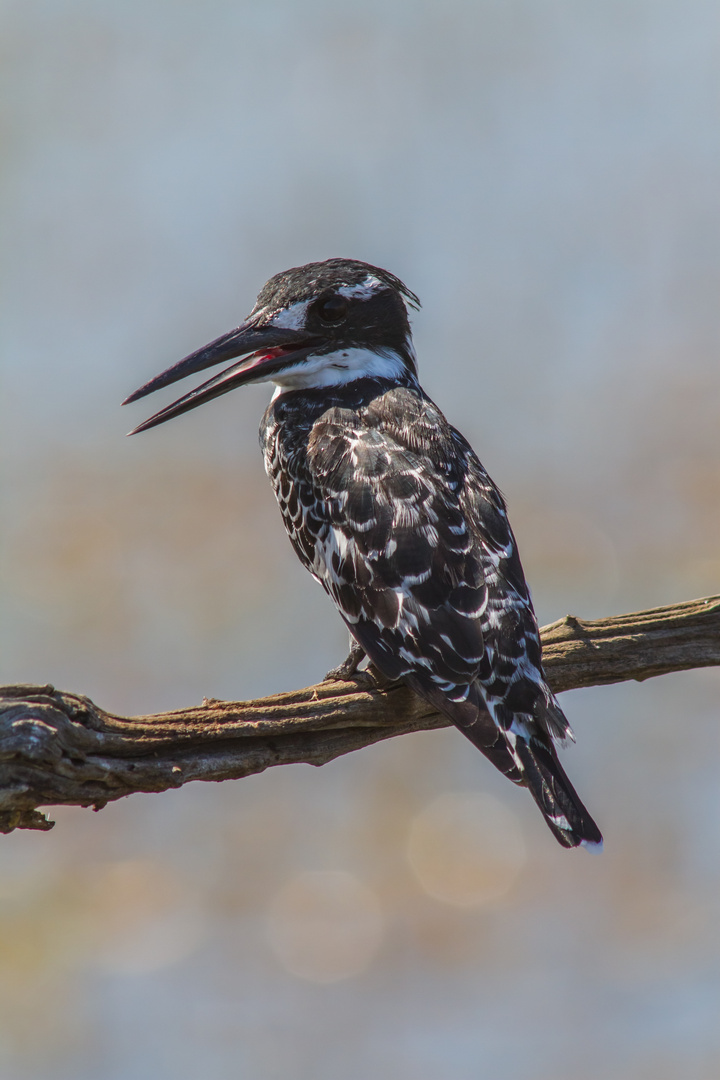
(271, 349)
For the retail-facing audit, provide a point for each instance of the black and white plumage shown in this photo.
(391, 511)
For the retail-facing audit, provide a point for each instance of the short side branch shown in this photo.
(61, 749)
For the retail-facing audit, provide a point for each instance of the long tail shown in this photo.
(559, 803)
(529, 760)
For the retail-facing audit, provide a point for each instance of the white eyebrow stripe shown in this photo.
(364, 290)
(292, 318)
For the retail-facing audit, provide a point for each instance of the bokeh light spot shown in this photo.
(325, 926)
(466, 849)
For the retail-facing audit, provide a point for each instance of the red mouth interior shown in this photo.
(263, 355)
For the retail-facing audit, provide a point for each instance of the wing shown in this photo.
(421, 561)
(399, 557)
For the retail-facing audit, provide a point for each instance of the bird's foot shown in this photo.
(349, 668)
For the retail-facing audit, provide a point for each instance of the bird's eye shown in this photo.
(332, 310)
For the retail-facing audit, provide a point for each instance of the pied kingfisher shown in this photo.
(392, 513)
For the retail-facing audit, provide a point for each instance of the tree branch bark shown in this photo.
(60, 749)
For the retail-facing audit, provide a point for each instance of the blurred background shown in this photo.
(546, 175)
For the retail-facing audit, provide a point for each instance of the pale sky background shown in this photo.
(546, 176)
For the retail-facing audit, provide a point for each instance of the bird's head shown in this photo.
(323, 324)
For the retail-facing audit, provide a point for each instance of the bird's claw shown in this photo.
(348, 670)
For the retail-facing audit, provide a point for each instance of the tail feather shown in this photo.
(527, 759)
(555, 796)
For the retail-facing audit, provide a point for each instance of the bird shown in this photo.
(391, 511)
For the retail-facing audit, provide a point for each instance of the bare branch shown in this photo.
(61, 749)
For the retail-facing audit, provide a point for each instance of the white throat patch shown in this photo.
(339, 368)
